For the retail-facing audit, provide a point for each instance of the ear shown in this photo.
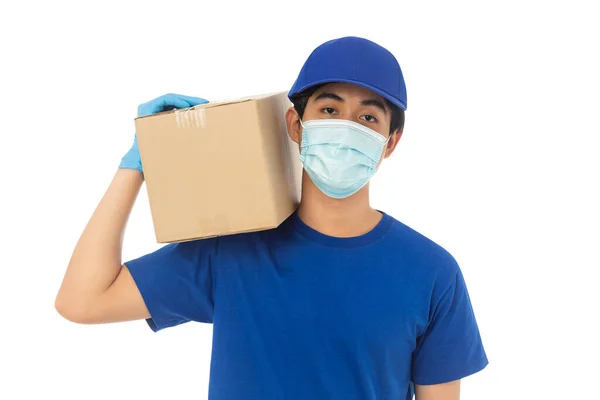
(392, 143)
(292, 119)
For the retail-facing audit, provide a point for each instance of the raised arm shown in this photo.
(96, 287)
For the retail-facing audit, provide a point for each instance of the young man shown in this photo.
(339, 302)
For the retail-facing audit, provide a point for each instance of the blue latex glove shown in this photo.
(132, 160)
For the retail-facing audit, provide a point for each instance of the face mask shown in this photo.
(340, 156)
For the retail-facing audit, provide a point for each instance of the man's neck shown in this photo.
(348, 217)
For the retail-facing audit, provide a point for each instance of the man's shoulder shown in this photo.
(420, 249)
(253, 240)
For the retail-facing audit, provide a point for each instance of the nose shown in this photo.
(352, 113)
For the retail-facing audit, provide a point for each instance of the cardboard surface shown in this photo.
(219, 168)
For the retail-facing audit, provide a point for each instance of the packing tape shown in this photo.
(190, 118)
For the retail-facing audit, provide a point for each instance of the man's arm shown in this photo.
(95, 288)
(443, 391)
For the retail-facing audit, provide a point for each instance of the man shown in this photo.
(339, 302)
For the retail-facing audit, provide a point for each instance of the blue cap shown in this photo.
(354, 60)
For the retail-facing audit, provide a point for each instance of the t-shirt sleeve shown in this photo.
(450, 348)
(176, 282)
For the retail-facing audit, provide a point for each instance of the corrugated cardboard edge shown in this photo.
(293, 185)
(173, 240)
(296, 185)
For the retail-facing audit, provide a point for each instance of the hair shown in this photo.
(300, 101)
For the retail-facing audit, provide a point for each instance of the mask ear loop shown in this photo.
(385, 144)
(301, 123)
(303, 128)
(387, 140)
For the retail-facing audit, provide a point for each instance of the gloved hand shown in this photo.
(132, 160)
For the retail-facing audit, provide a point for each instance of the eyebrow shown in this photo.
(368, 102)
(376, 103)
(329, 95)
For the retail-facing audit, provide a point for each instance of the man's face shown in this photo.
(349, 102)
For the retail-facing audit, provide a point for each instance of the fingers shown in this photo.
(192, 101)
(169, 102)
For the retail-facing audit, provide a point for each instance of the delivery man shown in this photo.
(341, 301)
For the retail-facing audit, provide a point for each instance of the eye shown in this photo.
(328, 110)
(369, 118)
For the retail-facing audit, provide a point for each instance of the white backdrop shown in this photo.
(498, 164)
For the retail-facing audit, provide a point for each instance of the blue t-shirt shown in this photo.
(300, 315)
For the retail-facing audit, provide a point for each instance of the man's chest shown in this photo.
(342, 304)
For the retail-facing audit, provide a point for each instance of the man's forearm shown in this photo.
(96, 260)
(443, 391)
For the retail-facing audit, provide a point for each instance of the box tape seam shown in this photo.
(190, 118)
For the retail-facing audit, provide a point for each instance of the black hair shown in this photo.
(301, 99)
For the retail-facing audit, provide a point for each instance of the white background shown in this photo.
(498, 164)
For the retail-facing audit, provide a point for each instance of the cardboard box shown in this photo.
(220, 168)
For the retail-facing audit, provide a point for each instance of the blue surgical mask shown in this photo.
(340, 156)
